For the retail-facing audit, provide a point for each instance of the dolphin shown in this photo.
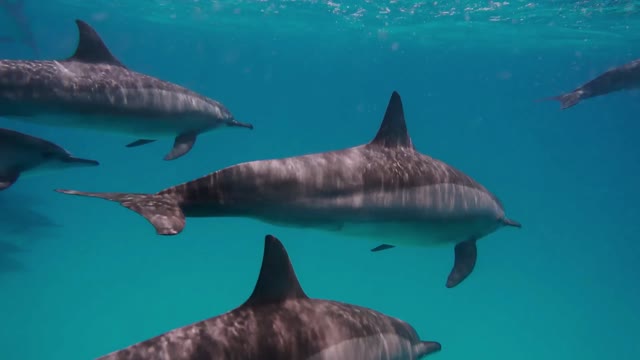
(25, 154)
(15, 12)
(383, 190)
(94, 90)
(624, 77)
(280, 322)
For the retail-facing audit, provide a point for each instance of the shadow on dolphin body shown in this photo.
(280, 322)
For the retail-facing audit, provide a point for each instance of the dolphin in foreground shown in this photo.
(383, 190)
(94, 90)
(22, 154)
(624, 77)
(280, 322)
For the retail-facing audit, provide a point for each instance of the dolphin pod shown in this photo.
(384, 191)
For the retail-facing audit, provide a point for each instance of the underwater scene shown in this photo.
(307, 180)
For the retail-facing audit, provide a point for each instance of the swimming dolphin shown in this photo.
(280, 322)
(383, 190)
(92, 89)
(25, 154)
(624, 77)
(15, 12)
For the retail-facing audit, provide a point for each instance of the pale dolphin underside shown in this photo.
(384, 190)
(280, 322)
(94, 90)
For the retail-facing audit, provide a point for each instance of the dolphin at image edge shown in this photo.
(94, 90)
(280, 322)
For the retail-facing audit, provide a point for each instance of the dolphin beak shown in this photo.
(80, 162)
(241, 124)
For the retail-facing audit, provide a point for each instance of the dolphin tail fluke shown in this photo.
(162, 211)
(425, 348)
(466, 254)
(566, 100)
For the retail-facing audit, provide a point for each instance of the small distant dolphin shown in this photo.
(25, 154)
(624, 77)
(93, 90)
(280, 322)
(383, 190)
(15, 12)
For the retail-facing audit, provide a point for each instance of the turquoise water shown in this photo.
(81, 277)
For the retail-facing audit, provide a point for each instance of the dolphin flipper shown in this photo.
(181, 146)
(8, 179)
(140, 142)
(161, 211)
(466, 253)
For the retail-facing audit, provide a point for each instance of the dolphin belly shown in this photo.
(419, 216)
(143, 127)
(375, 347)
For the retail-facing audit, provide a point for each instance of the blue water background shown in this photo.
(87, 277)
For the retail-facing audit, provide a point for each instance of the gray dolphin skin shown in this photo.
(624, 77)
(94, 90)
(384, 190)
(280, 322)
(25, 154)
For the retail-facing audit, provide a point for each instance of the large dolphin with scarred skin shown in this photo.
(94, 90)
(384, 190)
(22, 154)
(280, 322)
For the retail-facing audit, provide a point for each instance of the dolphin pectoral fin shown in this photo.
(162, 211)
(181, 146)
(8, 179)
(140, 142)
(382, 247)
(425, 348)
(466, 253)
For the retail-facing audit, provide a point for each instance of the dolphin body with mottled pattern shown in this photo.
(22, 154)
(94, 90)
(384, 190)
(280, 322)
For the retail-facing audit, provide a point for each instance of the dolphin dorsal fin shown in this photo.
(393, 131)
(277, 281)
(91, 48)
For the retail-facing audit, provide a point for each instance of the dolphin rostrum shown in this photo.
(94, 90)
(624, 77)
(383, 190)
(280, 322)
(25, 154)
